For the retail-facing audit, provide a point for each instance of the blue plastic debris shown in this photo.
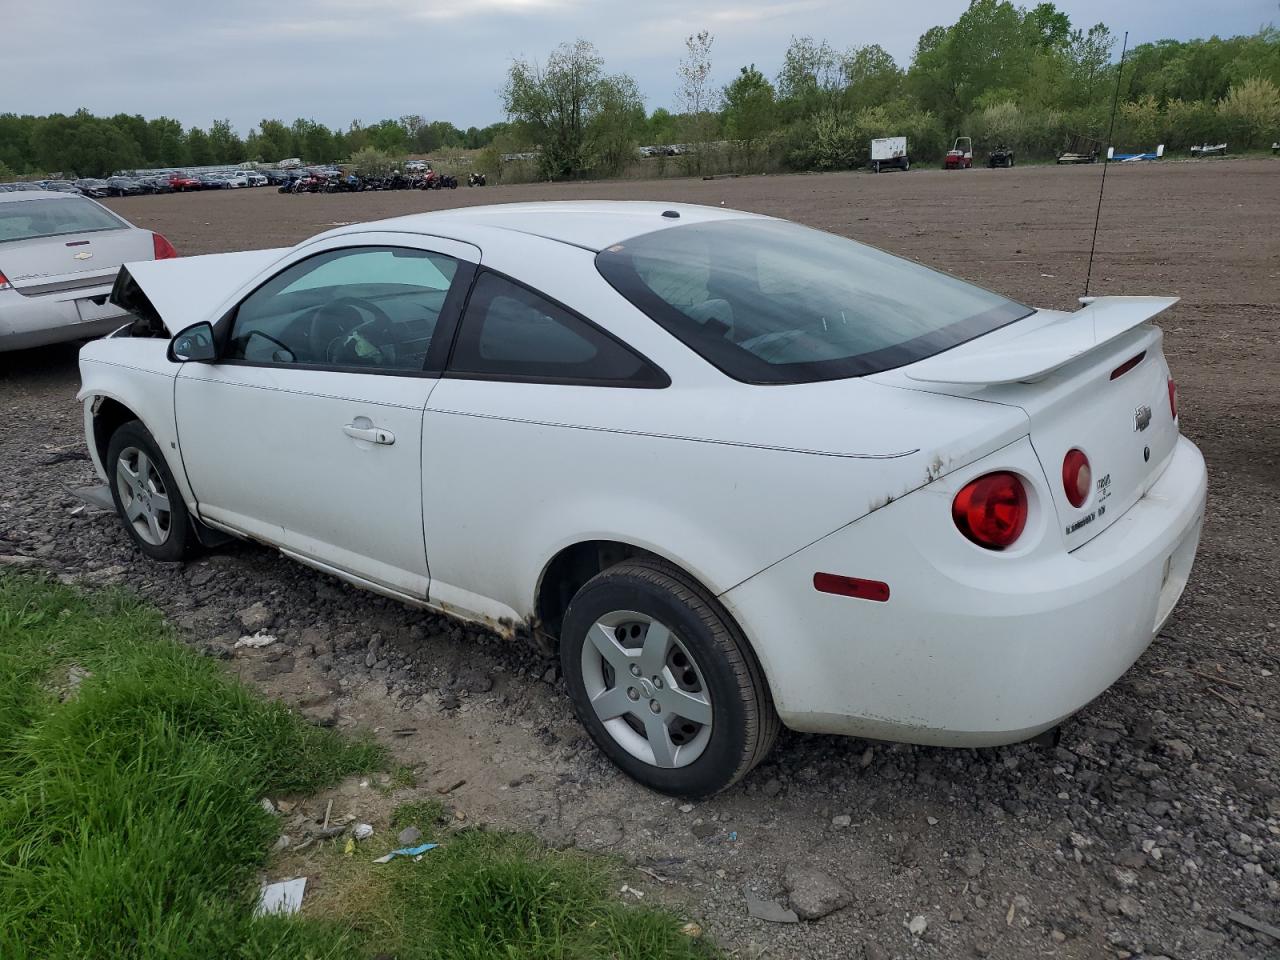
(407, 852)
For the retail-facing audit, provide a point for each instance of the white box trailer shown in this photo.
(890, 153)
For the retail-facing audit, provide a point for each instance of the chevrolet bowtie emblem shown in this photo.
(84, 256)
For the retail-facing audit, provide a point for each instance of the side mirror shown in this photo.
(195, 344)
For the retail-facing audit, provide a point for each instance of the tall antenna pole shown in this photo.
(1106, 162)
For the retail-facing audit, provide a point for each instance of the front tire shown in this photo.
(147, 499)
(664, 681)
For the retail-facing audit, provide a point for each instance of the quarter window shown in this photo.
(369, 307)
(509, 331)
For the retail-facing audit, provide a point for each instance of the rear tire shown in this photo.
(664, 681)
(147, 499)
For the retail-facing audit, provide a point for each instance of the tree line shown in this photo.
(1006, 75)
(81, 144)
(1003, 74)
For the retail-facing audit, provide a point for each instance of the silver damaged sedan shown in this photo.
(59, 255)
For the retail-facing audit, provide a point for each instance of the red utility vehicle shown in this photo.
(960, 156)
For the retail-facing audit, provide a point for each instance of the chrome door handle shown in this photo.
(359, 431)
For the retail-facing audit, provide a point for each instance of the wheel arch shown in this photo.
(106, 409)
(106, 415)
(564, 574)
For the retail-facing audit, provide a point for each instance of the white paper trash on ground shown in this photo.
(255, 640)
(283, 897)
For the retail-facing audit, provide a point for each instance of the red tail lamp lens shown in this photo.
(1076, 477)
(4, 282)
(992, 510)
(163, 248)
(1173, 398)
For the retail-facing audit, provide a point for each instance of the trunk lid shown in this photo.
(1095, 380)
(53, 264)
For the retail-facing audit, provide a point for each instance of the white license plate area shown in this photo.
(90, 311)
(1177, 570)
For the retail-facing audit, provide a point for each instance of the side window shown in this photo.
(374, 307)
(510, 331)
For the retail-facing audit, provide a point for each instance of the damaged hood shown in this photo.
(179, 292)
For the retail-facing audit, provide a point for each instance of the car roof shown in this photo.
(35, 195)
(591, 224)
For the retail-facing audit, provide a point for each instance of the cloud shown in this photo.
(753, 13)
(339, 60)
(416, 10)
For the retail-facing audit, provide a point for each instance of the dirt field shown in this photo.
(1157, 816)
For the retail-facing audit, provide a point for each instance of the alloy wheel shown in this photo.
(646, 689)
(144, 499)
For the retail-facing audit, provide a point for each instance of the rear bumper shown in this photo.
(972, 648)
(36, 321)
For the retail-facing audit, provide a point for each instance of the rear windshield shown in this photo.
(31, 219)
(768, 301)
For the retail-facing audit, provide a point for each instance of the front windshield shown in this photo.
(769, 301)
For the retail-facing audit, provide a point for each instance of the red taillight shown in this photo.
(4, 282)
(1173, 398)
(992, 510)
(162, 247)
(1076, 477)
(876, 590)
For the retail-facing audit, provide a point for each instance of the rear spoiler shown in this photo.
(1041, 350)
(169, 295)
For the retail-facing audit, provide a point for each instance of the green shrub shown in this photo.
(1250, 113)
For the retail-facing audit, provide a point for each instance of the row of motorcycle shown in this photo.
(353, 183)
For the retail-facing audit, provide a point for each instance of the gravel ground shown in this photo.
(1156, 816)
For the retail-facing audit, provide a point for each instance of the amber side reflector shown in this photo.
(851, 587)
(1128, 365)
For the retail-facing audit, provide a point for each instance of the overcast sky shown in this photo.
(339, 60)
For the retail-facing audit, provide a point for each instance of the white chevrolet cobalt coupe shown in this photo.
(742, 472)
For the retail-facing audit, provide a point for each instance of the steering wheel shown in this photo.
(332, 321)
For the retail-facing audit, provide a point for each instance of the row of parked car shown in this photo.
(120, 186)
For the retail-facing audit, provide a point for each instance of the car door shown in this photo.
(307, 431)
(518, 354)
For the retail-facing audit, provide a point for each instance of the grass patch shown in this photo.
(400, 778)
(426, 815)
(130, 775)
(500, 896)
(129, 824)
